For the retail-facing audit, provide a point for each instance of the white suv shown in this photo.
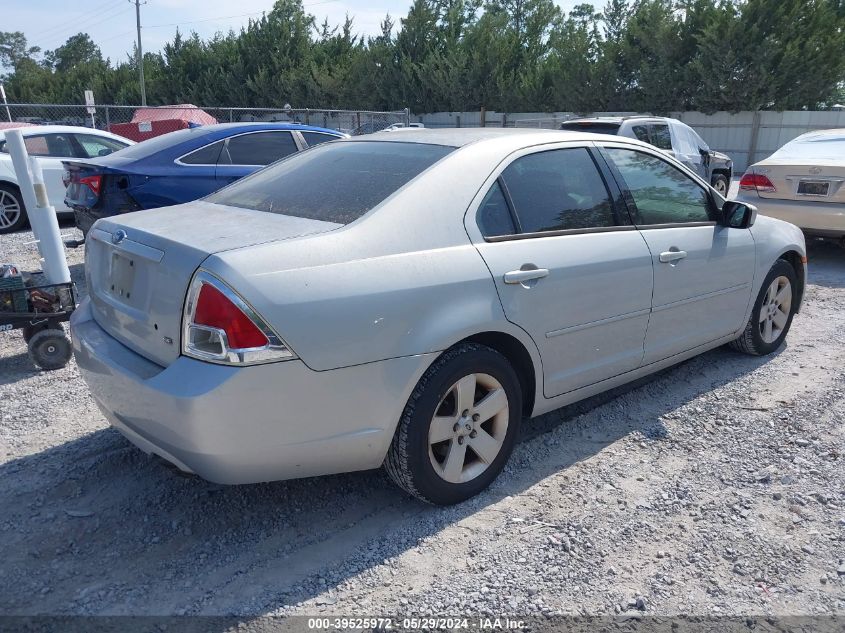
(672, 136)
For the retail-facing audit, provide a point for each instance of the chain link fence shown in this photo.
(141, 122)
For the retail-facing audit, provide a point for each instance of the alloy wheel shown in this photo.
(10, 210)
(721, 187)
(468, 428)
(774, 312)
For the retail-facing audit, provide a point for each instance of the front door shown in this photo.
(568, 266)
(703, 271)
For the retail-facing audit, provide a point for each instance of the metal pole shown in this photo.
(42, 217)
(140, 52)
(755, 132)
(5, 103)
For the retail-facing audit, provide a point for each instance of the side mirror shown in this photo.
(738, 215)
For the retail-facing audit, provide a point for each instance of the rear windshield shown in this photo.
(813, 146)
(335, 182)
(158, 143)
(594, 127)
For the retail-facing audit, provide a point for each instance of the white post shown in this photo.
(42, 217)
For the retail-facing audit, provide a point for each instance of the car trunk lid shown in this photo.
(139, 265)
(816, 180)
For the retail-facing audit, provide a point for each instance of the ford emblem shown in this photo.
(118, 236)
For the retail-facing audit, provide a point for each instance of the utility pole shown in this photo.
(138, 4)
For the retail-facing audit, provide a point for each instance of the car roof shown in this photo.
(67, 129)
(621, 119)
(460, 137)
(245, 126)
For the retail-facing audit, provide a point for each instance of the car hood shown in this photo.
(719, 156)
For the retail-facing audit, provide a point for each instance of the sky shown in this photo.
(111, 23)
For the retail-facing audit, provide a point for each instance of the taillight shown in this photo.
(759, 182)
(221, 327)
(93, 183)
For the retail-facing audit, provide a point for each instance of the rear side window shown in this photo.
(660, 136)
(641, 133)
(207, 155)
(494, 216)
(258, 148)
(334, 182)
(50, 145)
(95, 146)
(315, 138)
(558, 190)
(662, 194)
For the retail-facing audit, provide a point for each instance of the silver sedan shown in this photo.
(406, 300)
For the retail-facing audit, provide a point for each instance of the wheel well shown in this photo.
(794, 259)
(722, 172)
(518, 356)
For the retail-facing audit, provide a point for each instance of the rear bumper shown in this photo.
(826, 219)
(84, 219)
(250, 424)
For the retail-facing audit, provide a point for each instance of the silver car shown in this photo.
(803, 183)
(407, 299)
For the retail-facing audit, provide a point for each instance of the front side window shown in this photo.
(333, 182)
(94, 146)
(558, 190)
(259, 148)
(661, 193)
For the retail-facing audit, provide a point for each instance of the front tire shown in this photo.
(773, 310)
(720, 184)
(12, 210)
(459, 426)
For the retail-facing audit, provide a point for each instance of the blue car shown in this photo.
(180, 166)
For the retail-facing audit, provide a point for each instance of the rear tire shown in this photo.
(12, 209)
(50, 349)
(772, 314)
(459, 426)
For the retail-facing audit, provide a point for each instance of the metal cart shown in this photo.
(39, 310)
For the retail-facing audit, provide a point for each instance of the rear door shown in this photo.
(245, 153)
(702, 271)
(569, 267)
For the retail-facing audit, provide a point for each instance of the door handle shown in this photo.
(521, 276)
(672, 255)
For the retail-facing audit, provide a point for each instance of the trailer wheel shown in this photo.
(50, 349)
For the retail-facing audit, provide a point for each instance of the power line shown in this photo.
(54, 34)
(56, 28)
(229, 17)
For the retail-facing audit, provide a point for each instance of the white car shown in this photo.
(51, 144)
(404, 299)
(803, 183)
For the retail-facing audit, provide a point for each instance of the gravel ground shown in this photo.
(715, 487)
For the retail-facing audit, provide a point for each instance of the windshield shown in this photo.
(336, 182)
